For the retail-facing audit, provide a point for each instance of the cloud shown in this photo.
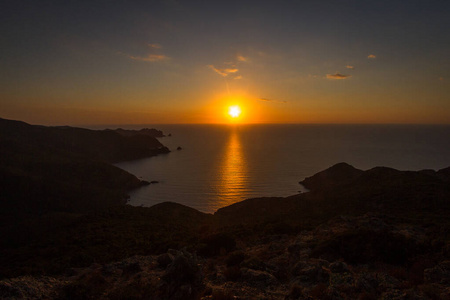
(371, 56)
(350, 67)
(154, 46)
(149, 57)
(224, 72)
(338, 76)
(154, 54)
(271, 100)
(242, 58)
(231, 70)
(230, 67)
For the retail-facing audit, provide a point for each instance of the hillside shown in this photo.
(345, 190)
(66, 233)
(65, 168)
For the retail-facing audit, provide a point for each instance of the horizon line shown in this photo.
(226, 124)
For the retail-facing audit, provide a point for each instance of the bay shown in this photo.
(223, 164)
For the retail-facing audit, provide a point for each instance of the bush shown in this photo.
(319, 291)
(296, 292)
(216, 244)
(254, 263)
(222, 295)
(235, 258)
(368, 246)
(87, 286)
(232, 273)
(139, 288)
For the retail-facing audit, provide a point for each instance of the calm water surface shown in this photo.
(221, 164)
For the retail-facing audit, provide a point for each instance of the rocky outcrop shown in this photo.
(439, 273)
(183, 278)
(28, 287)
(338, 174)
(265, 269)
(261, 279)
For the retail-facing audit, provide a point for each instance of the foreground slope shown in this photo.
(380, 233)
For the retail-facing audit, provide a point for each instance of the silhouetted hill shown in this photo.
(65, 168)
(335, 175)
(444, 174)
(343, 189)
(380, 233)
(144, 131)
(383, 189)
(104, 145)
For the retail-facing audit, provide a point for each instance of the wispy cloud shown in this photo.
(338, 76)
(371, 56)
(241, 58)
(149, 57)
(154, 46)
(230, 67)
(350, 67)
(271, 100)
(154, 54)
(224, 72)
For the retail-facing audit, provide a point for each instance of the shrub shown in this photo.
(216, 244)
(296, 292)
(87, 286)
(416, 274)
(368, 246)
(319, 291)
(235, 258)
(222, 295)
(232, 273)
(254, 263)
(431, 291)
(139, 288)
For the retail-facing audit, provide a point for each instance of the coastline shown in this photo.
(379, 232)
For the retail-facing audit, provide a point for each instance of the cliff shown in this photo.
(65, 168)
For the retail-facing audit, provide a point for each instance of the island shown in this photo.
(67, 232)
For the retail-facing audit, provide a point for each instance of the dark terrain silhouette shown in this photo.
(380, 233)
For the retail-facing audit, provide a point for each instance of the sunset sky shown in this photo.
(144, 62)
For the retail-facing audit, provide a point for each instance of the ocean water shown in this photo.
(222, 164)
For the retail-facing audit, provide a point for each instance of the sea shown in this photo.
(219, 165)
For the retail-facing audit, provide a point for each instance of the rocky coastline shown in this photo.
(67, 233)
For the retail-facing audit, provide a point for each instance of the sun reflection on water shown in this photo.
(233, 172)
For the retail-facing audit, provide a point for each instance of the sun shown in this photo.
(234, 111)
